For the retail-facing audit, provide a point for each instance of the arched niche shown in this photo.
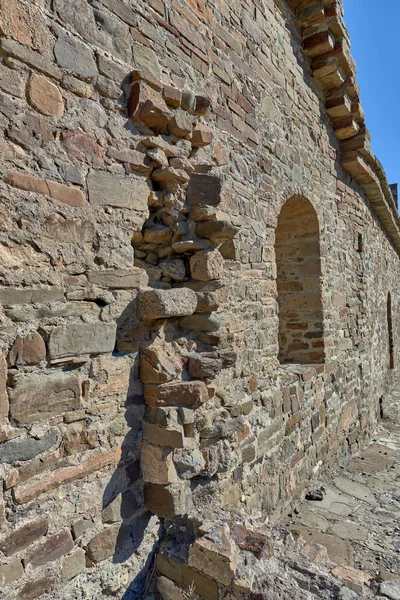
(298, 260)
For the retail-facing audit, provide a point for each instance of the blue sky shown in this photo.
(374, 34)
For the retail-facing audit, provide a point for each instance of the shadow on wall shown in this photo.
(123, 510)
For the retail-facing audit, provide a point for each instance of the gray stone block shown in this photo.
(81, 338)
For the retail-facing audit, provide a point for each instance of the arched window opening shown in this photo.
(390, 331)
(297, 249)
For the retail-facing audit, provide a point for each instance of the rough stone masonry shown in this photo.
(198, 296)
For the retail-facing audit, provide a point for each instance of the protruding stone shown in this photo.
(160, 304)
(167, 501)
(157, 464)
(171, 436)
(156, 366)
(179, 393)
(45, 96)
(172, 96)
(147, 106)
(204, 189)
(216, 231)
(188, 101)
(201, 137)
(180, 125)
(217, 559)
(73, 565)
(168, 590)
(203, 105)
(207, 265)
(201, 322)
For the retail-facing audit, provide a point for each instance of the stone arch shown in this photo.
(298, 261)
(390, 329)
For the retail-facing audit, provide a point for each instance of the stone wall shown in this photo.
(148, 152)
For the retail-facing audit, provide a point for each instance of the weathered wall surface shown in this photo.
(139, 373)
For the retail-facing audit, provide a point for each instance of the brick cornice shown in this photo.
(326, 43)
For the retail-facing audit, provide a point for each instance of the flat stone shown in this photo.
(73, 565)
(82, 147)
(352, 488)
(12, 296)
(108, 189)
(28, 448)
(31, 58)
(81, 338)
(45, 96)
(336, 502)
(339, 551)
(25, 24)
(76, 57)
(23, 537)
(353, 578)
(119, 278)
(171, 436)
(10, 572)
(34, 396)
(146, 59)
(349, 531)
(52, 549)
(181, 149)
(390, 589)
(159, 304)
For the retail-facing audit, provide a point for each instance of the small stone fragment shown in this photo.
(174, 268)
(216, 231)
(201, 137)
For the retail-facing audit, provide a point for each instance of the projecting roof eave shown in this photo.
(327, 45)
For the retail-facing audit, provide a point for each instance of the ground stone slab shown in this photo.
(390, 589)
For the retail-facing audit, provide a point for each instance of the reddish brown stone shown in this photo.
(180, 125)
(201, 137)
(148, 107)
(180, 393)
(30, 183)
(52, 549)
(28, 350)
(137, 160)
(172, 96)
(78, 145)
(35, 589)
(23, 537)
(30, 491)
(149, 79)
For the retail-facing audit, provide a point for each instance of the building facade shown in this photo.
(199, 267)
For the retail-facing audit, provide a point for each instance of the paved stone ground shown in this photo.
(358, 518)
